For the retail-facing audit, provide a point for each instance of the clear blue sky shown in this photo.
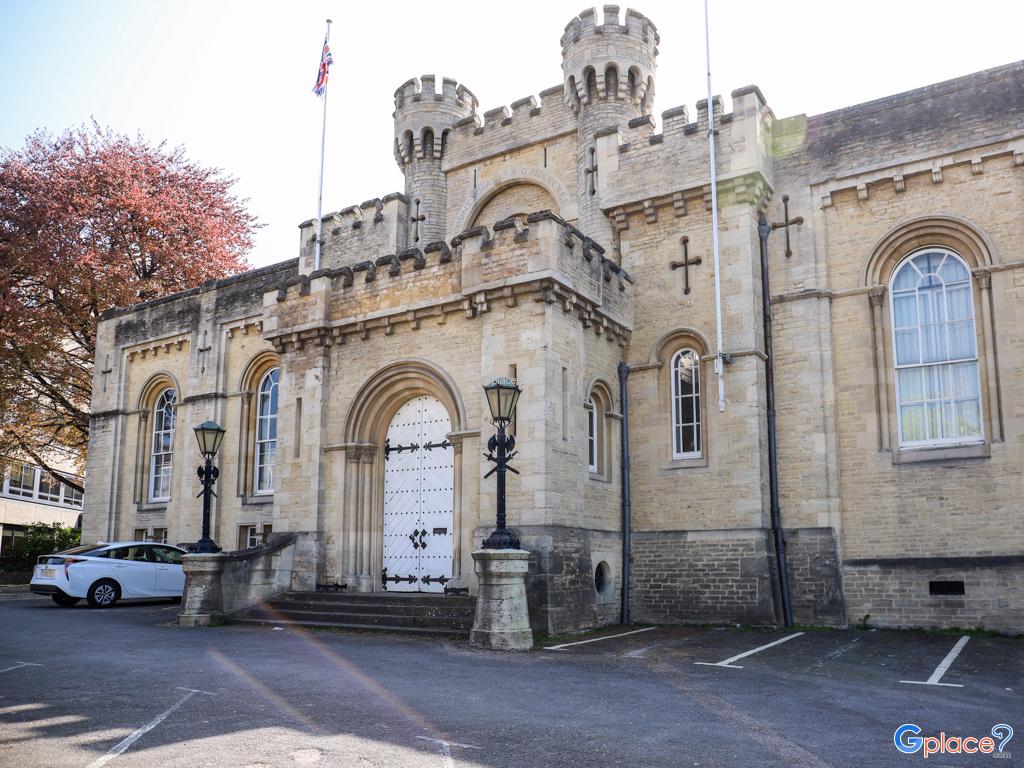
(231, 80)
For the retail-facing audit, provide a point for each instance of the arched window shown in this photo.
(686, 427)
(427, 143)
(266, 433)
(593, 436)
(938, 389)
(162, 451)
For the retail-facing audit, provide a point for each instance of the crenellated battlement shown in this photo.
(612, 61)
(541, 254)
(375, 225)
(423, 115)
(681, 152)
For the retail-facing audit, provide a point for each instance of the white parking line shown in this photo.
(446, 749)
(729, 662)
(19, 665)
(123, 745)
(943, 667)
(597, 639)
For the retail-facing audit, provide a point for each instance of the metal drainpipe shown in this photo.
(627, 504)
(763, 230)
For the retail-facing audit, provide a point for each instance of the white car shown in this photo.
(106, 573)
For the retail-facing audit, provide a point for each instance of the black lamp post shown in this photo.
(209, 435)
(502, 396)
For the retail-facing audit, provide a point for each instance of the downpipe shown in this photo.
(763, 230)
(627, 502)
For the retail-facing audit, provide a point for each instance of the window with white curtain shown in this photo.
(938, 389)
(686, 432)
(592, 436)
(161, 463)
(266, 432)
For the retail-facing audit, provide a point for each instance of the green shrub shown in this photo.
(39, 539)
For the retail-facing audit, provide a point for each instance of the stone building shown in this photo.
(554, 240)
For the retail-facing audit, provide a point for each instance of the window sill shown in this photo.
(674, 464)
(153, 506)
(942, 453)
(258, 500)
(599, 478)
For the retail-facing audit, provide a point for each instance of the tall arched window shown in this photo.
(938, 389)
(686, 433)
(593, 436)
(162, 451)
(266, 432)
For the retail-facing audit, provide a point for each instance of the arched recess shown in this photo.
(513, 199)
(156, 384)
(360, 522)
(660, 359)
(252, 374)
(943, 231)
(671, 341)
(611, 82)
(565, 203)
(973, 245)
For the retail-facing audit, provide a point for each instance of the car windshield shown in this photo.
(88, 549)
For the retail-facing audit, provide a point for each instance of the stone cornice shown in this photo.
(751, 188)
(862, 179)
(547, 289)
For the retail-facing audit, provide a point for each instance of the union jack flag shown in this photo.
(321, 75)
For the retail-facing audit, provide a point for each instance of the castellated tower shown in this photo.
(423, 117)
(608, 77)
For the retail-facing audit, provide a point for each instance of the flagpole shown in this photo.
(719, 356)
(320, 193)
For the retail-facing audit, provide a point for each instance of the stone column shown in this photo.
(202, 603)
(877, 298)
(502, 622)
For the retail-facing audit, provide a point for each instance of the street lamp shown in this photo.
(502, 396)
(209, 435)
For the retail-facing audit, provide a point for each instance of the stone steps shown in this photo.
(390, 612)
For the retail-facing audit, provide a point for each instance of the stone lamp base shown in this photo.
(502, 622)
(203, 602)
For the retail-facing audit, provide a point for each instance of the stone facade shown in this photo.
(545, 241)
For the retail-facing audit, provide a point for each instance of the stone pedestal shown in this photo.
(202, 604)
(502, 622)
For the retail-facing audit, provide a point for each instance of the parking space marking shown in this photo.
(728, 663)
(943, 667)
(19, 665)
(137, 734)
(596, 639)
(446, 749)
(836, 654)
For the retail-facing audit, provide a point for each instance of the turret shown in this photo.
(423, 117)
(608, 78)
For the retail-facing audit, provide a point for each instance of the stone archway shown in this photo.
(360, 524)
(508, 177)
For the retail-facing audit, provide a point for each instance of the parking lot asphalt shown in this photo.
(126, 687)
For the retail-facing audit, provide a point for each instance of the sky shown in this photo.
(231, 81)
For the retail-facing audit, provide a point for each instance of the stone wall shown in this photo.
(686, 577)
(896, 592)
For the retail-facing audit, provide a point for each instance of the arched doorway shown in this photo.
(419, 481)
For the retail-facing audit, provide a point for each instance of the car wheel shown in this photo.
(104, 593)
(64, 600)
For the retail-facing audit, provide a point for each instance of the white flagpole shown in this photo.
(719, 356)
(320, 193)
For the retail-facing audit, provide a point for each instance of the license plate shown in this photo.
(49, 573)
